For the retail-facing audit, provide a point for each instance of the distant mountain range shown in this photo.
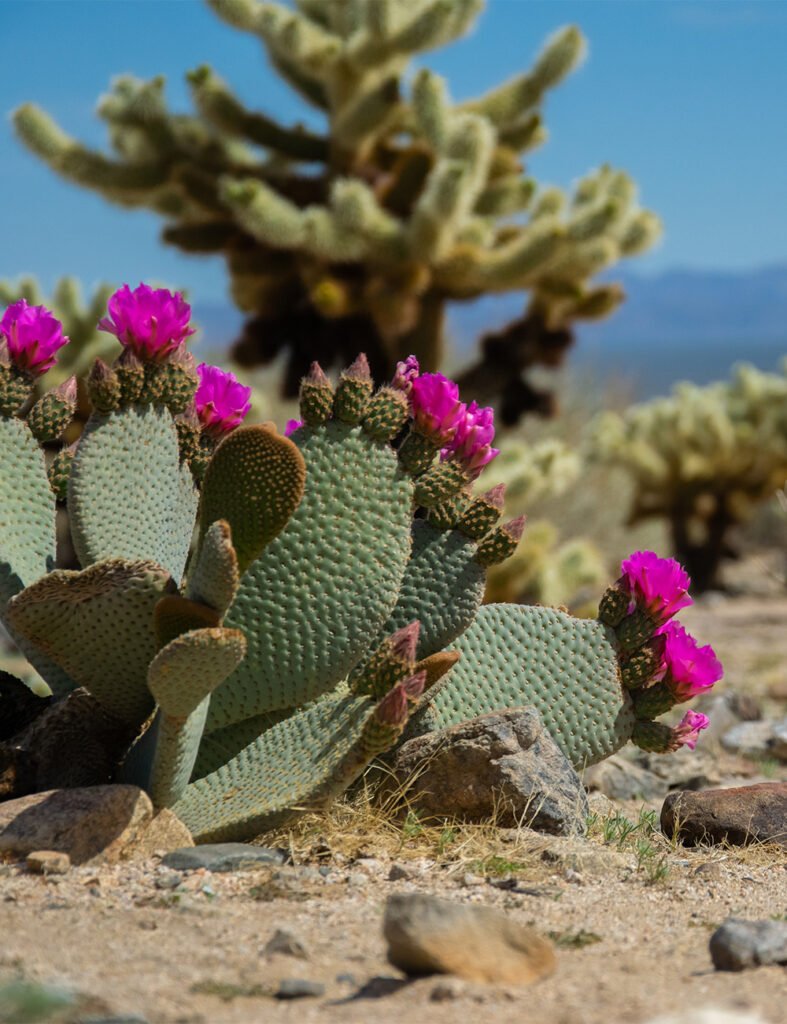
(679, 324)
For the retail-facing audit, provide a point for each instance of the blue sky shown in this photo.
(687, 96)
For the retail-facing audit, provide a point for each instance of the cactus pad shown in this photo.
(313, 602)
(567, 668)
(215, 577)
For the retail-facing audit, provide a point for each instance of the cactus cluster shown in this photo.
(356, 238)
(265, 614)
(703, 459)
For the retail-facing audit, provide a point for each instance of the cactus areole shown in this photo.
(265, 614)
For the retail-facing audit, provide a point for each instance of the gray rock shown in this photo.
(285, 943)
(426, 935)
(299, 988)
(503, 765)
(619, 778)
(751, 739)
(739, 944)
(222, 857)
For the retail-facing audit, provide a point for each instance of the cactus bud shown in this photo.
(436, 666)
(413, 687)
(180, 381)
(653, 701)
(642, 665)
(103, 387)
(655, 737)
(386, 414)
(60, 470)
(15, 387)
(483, 513)
(501, 543)
(188, 429)
(389, 664)
(447, 514)
(52, 413)
(439, 484)
(316, 397)
(353, 392)
(131, 374)
(614, 604)
(636, 629)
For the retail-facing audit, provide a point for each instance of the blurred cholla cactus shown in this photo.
(356, 238)
(542, 570)
(704, 459)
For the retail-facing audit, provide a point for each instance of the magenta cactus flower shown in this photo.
(436, 407)
(153, 323)
(291, 426)
(471, 445)
(406, 372)
(658, 586)
(222, 402)
(688, 730)
(33, 336)
(688, 668)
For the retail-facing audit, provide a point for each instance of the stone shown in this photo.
(222, 857)
(739, 815)
(739, 944)
(93, 824)
(299, 988)
(426, 935)
(48, 862)
(753, 739)
(570, 853)
(165, 832)
(285, 943)
(619, 778)
(400, 872)
(503, 765)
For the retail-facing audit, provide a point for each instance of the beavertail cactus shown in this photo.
(267, 614)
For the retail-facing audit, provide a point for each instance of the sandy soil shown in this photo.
(632, 937)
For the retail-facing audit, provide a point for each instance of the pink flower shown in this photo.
(406, 372)
(222, 401)
(150, 322)
(688, 730)
(472, 442)
(32, 336)
(688, 668)
(657, 585)
(292, 426)
(436, 406)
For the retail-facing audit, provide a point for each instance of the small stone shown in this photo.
(448, 990)
(426, 935)
(48, 862)
(573, 876)
(739, 815)
(503, 765)
(299, 988)
(357, 879)
(169, 880)
(400, 872)
(750, 739)
(739, 944)
(223, 857)
(470, 880)
(285, 943)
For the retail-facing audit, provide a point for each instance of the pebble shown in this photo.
(48, 862)
(286, 944)
(739, 944)
(299, 988)
(222, 857)
(169, 880)
(400, 873)
(426, 935)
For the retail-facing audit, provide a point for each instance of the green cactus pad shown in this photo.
(181, 678)
(567, 668)
(219, 747)
(301, 762)
(443, 587)
(126, 470)
(255, 482)
(27, 511)
(112, 604)
(215, 577)
(313, 602)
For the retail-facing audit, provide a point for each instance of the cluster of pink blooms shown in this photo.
(153, 323)
(463, 432)
(31, 337)
(659, 587)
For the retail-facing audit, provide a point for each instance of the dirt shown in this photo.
(631, 915)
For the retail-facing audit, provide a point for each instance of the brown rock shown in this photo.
(426, 935)
(96, 824)
(48, 862)
(740, 815)
(166, 832)
(503, 765)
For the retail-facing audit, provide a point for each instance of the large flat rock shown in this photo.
(739, 815)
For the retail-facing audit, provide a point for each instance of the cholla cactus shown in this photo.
(357, 238)
(264, 658)
(704, 459)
